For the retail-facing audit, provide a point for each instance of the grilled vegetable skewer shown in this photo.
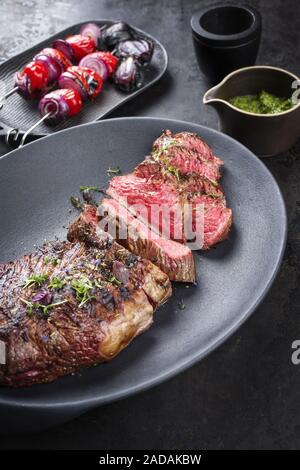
(56, 106)
(61, 104)
(39, 75)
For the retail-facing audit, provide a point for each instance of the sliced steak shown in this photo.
(174, 259)
(186, 153)
(151, 183)
(70, 305)
(217, 219)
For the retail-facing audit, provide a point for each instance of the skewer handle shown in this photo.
(27, 133)
(7, 95)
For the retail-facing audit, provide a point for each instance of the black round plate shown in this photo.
(35, 185)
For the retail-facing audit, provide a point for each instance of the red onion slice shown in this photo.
(93, 62)
(54, 104)
(64, 47)
(23, 83)
(69, 81)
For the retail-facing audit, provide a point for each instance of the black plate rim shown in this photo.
(129, 97)
(89, 403)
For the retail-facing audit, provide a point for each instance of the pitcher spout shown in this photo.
(214, 96)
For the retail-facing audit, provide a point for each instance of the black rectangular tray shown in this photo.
(18, 115)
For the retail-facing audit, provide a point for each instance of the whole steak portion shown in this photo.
(70, 305)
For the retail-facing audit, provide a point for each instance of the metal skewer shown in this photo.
(9, 93)
(33, 127)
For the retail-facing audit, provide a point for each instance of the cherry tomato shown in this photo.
(73, 100)
(87, 82)
(38, 75)
(81, 45)
(110, 60)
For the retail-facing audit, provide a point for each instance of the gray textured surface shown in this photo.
(246, 394)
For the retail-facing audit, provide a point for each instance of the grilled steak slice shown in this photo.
(70, 305)
(186, 153)
(174, 259)
(217, 219)
(156, 202)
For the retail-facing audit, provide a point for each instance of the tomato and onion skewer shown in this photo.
(77, 84)
(41, 74)
(57, 106)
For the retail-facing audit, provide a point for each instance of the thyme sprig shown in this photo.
(36, 280)
(77, 203)
(82, 287)
(113, 280)
(32, 306)
(167, 143)
(56, 283)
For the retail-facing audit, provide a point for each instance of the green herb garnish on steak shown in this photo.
(77, 203)
(56, 283)
(114, 280)
(36, 280)
(33, 306)
(174, 171)
(82, 288)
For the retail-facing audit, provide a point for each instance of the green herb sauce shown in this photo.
(263, 103)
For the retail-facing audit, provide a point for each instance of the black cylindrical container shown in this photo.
(226, 38)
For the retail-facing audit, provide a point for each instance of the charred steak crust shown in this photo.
(43, 344)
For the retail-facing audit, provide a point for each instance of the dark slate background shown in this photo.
(246, 394)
